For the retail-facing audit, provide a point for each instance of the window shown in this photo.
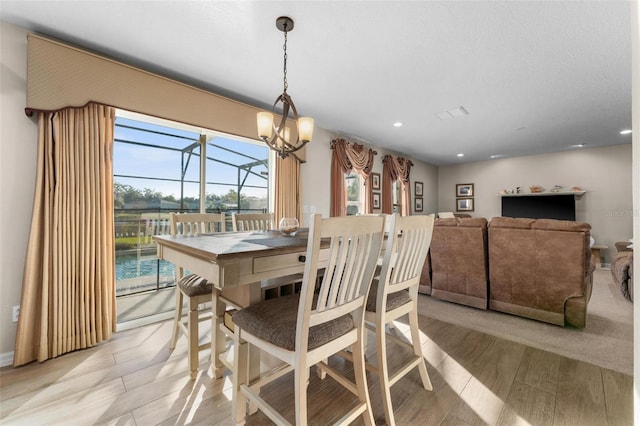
(158, 169)
(397, 197)
(354, 186)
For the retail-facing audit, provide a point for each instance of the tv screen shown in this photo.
(540, 206)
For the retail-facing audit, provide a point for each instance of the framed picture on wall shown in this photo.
(418, 189)
(418, 204)
(464, 190)
(464, 204)
(376, 201)
(375, 179)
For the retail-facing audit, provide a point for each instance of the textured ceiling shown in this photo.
(535, 77)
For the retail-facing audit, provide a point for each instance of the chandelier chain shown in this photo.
(278, 136)
(286, 84)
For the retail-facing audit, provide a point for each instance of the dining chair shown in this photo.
(252, 221)
(303, 330)
(394, 294)
(196, 289)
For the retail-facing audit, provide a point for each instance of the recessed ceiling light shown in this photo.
(461, 155)
(397, 124)
(580, 145)
(626, 132)
(496, 156)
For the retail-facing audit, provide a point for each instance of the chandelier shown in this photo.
(278, 138)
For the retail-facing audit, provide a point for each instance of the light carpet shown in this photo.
(606, 341)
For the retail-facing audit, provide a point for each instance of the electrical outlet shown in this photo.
(16, 313)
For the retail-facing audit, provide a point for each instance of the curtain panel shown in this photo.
(346, 158)
(396, 169)
(288, 189)
(68, 289)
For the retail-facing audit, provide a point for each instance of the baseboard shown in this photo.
(139, 322)
(6, 359)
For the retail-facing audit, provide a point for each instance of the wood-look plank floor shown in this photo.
(478, 379)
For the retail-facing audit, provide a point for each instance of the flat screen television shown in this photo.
(560, 206)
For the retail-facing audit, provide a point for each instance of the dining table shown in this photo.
(236, 263)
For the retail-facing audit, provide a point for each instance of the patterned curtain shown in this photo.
(396, 169)
(68, 289)
(346, 158)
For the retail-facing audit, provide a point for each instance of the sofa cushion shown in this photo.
(511, 222)
(447, 221)
(472, 222)
(560, 225)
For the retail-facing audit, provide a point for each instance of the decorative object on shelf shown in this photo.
(375, 179)
(418, 204)
(576, 189)
(535, 189)
(278, 138)
(464, 204)
(289, 226)
(464, 190)
(556, 188)
(376, 200)
(517, 190)
(418, 189)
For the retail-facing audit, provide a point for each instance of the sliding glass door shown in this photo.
(159, 168)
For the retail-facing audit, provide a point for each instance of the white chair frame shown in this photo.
(192, 224)
(252, 221)
(353, 253)
(404, 256)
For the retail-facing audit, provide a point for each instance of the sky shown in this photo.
(156, 163)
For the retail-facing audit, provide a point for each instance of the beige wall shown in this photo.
(17, 177)
(605, 173)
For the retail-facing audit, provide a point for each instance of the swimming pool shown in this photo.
(142, 273)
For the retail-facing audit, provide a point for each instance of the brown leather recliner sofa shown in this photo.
(540, 269)
(459, 270)
(622, 269)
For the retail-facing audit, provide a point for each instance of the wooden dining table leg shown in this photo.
(241, 296)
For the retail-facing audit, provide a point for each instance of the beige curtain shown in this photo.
(68, 290)
(288, 187)
(348, 157)
(396, 169)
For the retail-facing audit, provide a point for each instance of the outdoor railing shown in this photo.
(137, 267)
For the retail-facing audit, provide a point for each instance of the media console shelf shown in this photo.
(577, 194)
(541, 205)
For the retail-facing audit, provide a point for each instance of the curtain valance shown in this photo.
(60, 75)
(346, 158)
(396, 169)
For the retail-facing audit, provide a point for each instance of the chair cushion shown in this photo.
(274, 321)
(394, 300)
(194, 285)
